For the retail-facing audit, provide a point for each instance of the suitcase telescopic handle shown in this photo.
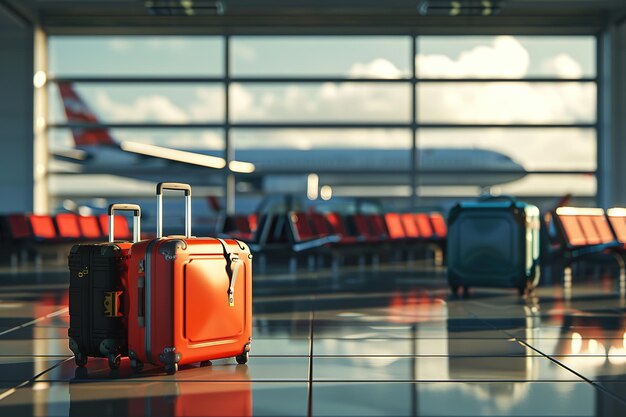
(177, 186)
(136, 219)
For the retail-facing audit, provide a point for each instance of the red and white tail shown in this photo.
(77, 111)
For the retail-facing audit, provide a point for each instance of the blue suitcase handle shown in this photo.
(489, 197)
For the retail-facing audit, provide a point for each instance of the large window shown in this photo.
(532, 99)
(513, 114)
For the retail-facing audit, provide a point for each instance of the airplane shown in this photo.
(97, 152)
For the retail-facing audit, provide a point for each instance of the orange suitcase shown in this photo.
(191, 298)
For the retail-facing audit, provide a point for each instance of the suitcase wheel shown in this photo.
(171, 369)
(136, 365)
(80, 359)
(81, 373)
(114, 361)
(466, 291)
(526, 291)
(454, 289)
(243, 358)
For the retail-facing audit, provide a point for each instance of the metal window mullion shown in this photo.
(320, 80)
(603, 142)
(414, 145)
(229, 179)
(317, 125)
(41, 152)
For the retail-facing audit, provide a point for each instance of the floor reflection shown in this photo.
(386, 342)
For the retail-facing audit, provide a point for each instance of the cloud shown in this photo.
(178, 105)
(208, 103)
(563, 65)
(321, 102)
(150, 107)
(519, 102)
(378, 68)
(120, 45)
(505, 58)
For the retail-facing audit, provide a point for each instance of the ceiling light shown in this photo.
(39, 79)
(184, 8)
(459, 7)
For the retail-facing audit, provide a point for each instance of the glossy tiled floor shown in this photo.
(388, 342)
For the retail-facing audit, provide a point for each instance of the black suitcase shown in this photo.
(98, 276)
(493, 243)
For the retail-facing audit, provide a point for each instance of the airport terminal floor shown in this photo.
(389, 341)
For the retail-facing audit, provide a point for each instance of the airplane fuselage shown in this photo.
(437, 166)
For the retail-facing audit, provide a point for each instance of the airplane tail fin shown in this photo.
(77, 111)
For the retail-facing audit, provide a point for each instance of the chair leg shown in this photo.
(361, 261)
(438, 257)
(293, 264)
(375, 261)
(567, 282)
(311, 263)
(262, 263)
(410, 256)
(622, 274)
(336, 262)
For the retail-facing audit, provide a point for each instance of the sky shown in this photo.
(351, 57)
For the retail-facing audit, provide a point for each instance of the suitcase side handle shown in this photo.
(159, 194)
(136, 219)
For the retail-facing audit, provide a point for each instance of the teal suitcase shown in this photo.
(493, 242)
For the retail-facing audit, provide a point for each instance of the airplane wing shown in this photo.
(185, 157)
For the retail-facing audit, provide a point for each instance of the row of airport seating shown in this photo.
(25, 235)
(577, 233)
(573, 233)
(340, 236)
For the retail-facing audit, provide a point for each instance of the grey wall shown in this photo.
(16, 114)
